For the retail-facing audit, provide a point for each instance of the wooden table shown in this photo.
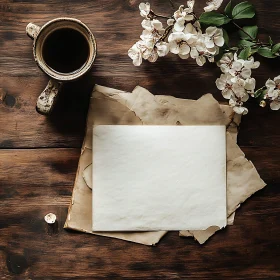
(39, 155)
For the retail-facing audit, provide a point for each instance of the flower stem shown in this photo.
(172, 4)
(161, 16)
(165, 34)
(253, 39)
(239, 27)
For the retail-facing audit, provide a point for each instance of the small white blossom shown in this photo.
(198, 53)
(273, 92)
(145, 9)
(250, 85)
(179, 44)
(214, 37)
(162, 48)
(135, 54)
(225, 84)
(225, 62)
(251, 63)
(213, 5)
(153, 29)
(237, 106)
(183, 15)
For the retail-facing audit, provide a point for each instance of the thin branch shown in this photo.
(239, 27)
(161, 16)
(172, 4)
(253, 39)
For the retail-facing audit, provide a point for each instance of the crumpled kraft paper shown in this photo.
(109, 106)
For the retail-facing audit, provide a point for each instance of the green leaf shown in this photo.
(228, 9)
(243, 10)
(244, 54)
(259, 93)
(213, 19)
(251, 30)
(226, 37)
(245, 43)
(266, 52)
(253, 51)
(270, 41)
(276, 48)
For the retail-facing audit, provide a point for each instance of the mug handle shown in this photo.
(47, 98)
(32, 30)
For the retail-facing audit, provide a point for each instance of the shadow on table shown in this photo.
(70, 111)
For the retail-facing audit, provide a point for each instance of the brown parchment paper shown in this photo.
(243, 180)
(110, 106)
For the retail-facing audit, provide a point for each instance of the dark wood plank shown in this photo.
(37, 181)
(116, 25)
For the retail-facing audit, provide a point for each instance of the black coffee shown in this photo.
(65, 50)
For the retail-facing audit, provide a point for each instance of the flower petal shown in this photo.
(275, 105)
(185, 49)
(201, 60)
(194, 53)
(179, 25)
(186, 56)
(221, 83)
(162, 49)
(246, 73)
(210, 31)
(174, 47)
(219, 41)
(240, 110)
(270, 84)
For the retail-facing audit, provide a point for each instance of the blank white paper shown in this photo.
(148, 178)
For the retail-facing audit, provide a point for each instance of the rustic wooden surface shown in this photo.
(39, 155)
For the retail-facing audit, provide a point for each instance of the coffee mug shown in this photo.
(64, 49)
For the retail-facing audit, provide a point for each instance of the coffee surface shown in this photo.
(65, 50)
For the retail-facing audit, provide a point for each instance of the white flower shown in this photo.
(197, 53)
(152, 25)
(238, 70)
(152, 29)
(275, 104)
(225, 84)
(162, 48)
(213, 5)
(273, 87)
(237, 106)
(214, 37)
(225, 62)
(251, 63)
(178, 44)
(273, 93)
(239, 90)
(148, 50)
(145, 9)
(183, 15)
(135, 54)
(250, 85)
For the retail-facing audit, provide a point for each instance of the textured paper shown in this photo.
(243, 180)
(108, 106)
(149, 178)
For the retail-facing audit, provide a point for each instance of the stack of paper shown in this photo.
(112, 107)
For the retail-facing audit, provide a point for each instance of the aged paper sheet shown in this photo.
(111, 106)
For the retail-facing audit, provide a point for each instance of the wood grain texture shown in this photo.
(39, 155)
